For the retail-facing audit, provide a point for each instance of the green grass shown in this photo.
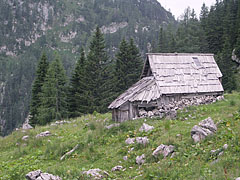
(104, 149)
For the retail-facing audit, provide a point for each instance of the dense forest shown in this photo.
(106, 64)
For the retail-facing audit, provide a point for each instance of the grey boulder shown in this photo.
(203, 129)
(142, 140)
(164, 150)
(38, 175)
(140, 159)
(96, 173)
(43, 134)
(145, 128)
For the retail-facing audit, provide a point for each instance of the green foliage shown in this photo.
(128, 66)
(37, 89)
(53, 97)
(77, 96)
(104, 149)
(97, 76)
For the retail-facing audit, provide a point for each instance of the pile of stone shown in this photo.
(39, 175)
(170, 110)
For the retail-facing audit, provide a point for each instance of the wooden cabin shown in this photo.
(168, 77)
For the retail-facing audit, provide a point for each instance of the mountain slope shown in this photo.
(105, 149)
(29, 27)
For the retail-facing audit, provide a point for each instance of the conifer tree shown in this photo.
(96, 69)
(135, 64)
(41, 72)
(121, 67)
(53, 96)
(227, 66)
(77, 100)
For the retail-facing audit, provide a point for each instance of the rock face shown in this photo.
(43, 134)
(164, 150)
(234, 57)
(145, 128)
(203, 129)
(38, 175)
(96, 173)
(140, 159)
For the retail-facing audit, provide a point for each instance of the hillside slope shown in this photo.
(29, 27)
(104, 149)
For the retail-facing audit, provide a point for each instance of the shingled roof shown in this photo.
(174, 73)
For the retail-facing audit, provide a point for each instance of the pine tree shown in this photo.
(53, 96)
(77, 100)
(96, 69)
(41, 72)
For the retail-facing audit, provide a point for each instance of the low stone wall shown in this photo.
(170, 110)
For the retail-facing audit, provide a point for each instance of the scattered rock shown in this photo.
(219, 152)
(117, 168)
(145, 128)
(164, 150)
(112, 125)
(43, 134)
(225, 146)
(125, 158)
(142, 140)
(38, 175)
(130, 141)
(26, 124)
(140, 159)
(25, 138)
(96, 173)
(60, 123)
(203, 129)
(178, 135)
(131, 150)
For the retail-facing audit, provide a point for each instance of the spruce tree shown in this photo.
(227, 67)
(134, 64)
(96, 69)
(53, 96)
(77, 100)
(41, 72)
(121, 67)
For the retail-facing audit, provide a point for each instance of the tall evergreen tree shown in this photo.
(135, 63)
(41, 72)
(53, 96)
(121, 67)
(77, 100)
(96, 69)
(227, 67)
